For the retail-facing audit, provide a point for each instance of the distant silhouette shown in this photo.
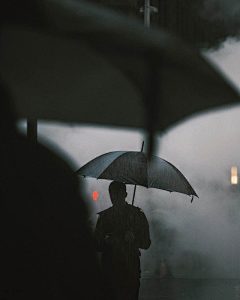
(120, 231)
(47, 250)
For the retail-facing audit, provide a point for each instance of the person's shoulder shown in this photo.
(105, 211)
(135, 209)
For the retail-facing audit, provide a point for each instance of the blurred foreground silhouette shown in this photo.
(46, 246)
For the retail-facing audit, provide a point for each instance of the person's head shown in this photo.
(117, 192)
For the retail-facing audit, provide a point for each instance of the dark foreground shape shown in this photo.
(46, 246)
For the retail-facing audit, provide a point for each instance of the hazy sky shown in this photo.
(203, 148)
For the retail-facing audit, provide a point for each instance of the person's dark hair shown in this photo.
(115, 187)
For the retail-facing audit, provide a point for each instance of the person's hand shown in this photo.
(129, 237)
(109, 238)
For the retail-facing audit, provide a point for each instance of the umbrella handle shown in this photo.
(135, 185)
(134, 194)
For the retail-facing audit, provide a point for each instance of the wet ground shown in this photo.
(184, 289)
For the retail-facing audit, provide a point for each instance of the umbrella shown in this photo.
(137, 168)
(75, 62)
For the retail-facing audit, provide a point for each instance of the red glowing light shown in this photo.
(95, 195)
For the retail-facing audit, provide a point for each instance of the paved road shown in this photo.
(184, 289)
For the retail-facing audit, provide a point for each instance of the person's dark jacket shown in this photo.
(133, 219)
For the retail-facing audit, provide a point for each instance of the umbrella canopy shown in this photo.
(137, 168)
(74, 62)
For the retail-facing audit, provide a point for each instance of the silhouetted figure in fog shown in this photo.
(120, 231)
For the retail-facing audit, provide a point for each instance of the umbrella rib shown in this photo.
(183, 180)
(111, 164)
(96, 166)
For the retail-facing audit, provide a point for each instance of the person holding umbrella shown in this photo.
(120, 231)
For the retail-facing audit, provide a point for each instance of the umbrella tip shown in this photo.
(193, 197)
